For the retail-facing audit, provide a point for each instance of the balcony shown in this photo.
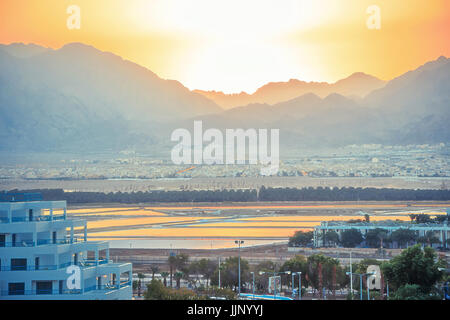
(40, 242)
(82, 264)
(38, 292)
(106, 287)
(23, 243)
(33, 219)
(90, 263)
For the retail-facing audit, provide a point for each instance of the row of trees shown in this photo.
(414, 274)
(374, 238)
(247, 195)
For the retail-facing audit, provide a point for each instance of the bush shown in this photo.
(413, 292)
(157, 291)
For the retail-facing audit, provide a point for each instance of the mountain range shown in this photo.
(355, 86)
(80, 99)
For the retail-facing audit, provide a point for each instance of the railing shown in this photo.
(33, 219)
(64, 291)
(40, 242)
(36, 268)
(18, 243)
(38, 292)
(56, 241)
(85, 263)
(42, 218)
(19, 219)
(108, 286)
(88, 263)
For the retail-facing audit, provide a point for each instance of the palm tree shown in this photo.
(154, 269)
(178, 276)
(429, 238)
(382, 235)
(172, 260)
(165, 275)
(140, 277)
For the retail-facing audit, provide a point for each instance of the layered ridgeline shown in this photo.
(79, 98)
(413, 108)
(355, 86)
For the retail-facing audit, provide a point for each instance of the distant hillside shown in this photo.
(411, 109)
(79, 97)
(357, 85)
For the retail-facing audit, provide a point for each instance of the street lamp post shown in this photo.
(219, 272)
(360, 282)
(253, 286)
(299, 284)
(292, 282)
(351, 278)
(360, 287)
(239, 242)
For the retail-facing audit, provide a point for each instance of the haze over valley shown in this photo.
(79, 99)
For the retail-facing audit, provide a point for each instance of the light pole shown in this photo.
(351, 277)
(360, 282)
(299, 284)
(253, 286)
(219, 272)
(239, 242)
(292, 282)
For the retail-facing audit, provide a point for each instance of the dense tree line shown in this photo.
(350, 194)
(247, 195)
(375, 238)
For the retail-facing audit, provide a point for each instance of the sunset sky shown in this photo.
(239, 45)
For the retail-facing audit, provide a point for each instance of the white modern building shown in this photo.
(440, 230)
(41, 258)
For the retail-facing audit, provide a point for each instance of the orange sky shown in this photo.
(239, 45)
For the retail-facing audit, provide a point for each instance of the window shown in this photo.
(18, 264)
(17, 288)
(44, 287)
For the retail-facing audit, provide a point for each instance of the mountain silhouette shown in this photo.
(80, 99)
(413, 108)
(356, 86)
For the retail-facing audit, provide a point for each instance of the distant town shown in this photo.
(364, 162)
